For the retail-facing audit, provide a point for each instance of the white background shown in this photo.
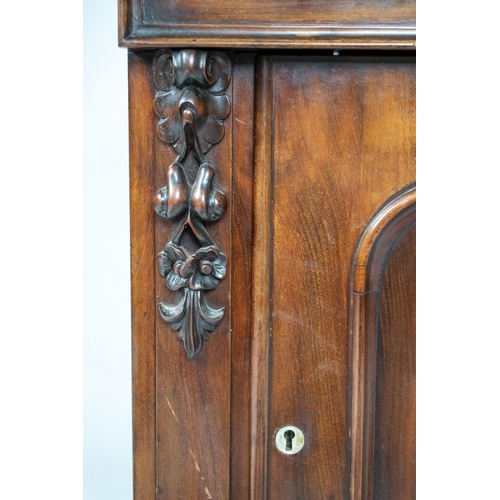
(42, 278)
(65, 300)
(107, 344)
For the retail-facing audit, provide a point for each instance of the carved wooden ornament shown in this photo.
(191, 105)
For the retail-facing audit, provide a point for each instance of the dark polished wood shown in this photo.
(193, 396)
(241, 299)
(261, 279)
(333, 166)
(267, 24)
(300, 169)
(395, 414)
(191, 106)
(317, 166)
(143, 274)
(370, 271)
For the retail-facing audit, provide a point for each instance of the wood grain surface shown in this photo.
(143, 274)
(269, 11)
(315, 146)
(395, 415)
(241, 300)
(193, 396)
(382, 234)
(343, 144)
(268, 23)
(261, 281)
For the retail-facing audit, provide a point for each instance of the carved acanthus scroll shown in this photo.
(191, 105)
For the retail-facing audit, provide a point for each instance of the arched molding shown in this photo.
(382, 230)
(388, 225)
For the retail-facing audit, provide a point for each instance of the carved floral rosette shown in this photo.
(191, 106)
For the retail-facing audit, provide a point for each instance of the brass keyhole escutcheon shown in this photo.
(289, 440)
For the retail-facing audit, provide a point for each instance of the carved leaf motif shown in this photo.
(172, 313)
(219, 265)
(212, 131)
(220, 62)
(169, 257)
(191, 106)
(170, 130)
(194, 80)
(165, 103)
(193, 318)
(218, 106)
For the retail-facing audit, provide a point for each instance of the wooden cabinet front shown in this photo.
(316, 163)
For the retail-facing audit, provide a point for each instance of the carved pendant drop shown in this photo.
(191, 105)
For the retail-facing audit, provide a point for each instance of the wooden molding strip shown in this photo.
(261, 282)
(384, 228)
(379, 222)
(142, 261)
(221, 35)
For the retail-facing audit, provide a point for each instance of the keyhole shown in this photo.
(289, 435)
(289, 440)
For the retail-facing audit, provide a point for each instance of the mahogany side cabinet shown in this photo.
(272, 191)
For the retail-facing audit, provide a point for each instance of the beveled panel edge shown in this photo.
(392, 220)
(266, 36)
(261, 306)
(404, 200)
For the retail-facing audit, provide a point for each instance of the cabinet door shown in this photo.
(317, 167)
(341, 156)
